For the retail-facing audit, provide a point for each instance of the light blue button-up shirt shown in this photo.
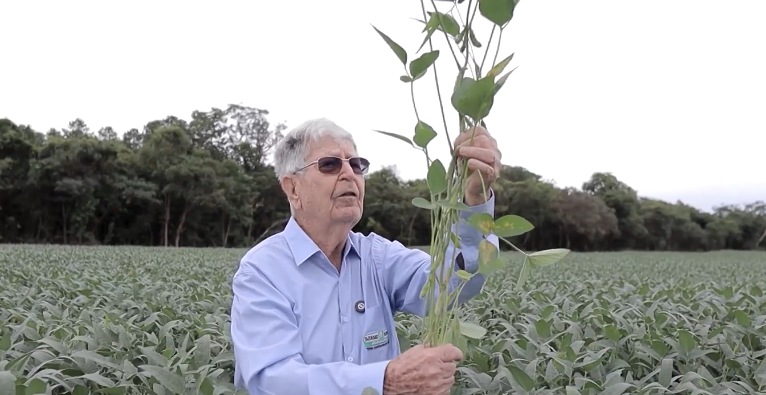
(295, 325)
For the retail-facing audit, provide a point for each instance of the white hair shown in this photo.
(291, 151)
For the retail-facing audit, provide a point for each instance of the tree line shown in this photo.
(206, 182)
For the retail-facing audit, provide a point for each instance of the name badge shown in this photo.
(375, 340)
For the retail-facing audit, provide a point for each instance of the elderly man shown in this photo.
(313, 305)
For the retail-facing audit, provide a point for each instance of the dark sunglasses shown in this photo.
(333, 164)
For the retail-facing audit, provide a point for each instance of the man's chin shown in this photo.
(349, 215)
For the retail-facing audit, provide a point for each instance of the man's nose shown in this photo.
(346, 171)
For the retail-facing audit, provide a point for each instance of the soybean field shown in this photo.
(138, 320)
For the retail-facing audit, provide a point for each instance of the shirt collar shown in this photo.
(304, 248)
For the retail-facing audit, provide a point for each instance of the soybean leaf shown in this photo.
(396, 136)
(499, 12)
(686, 340)
(398, 50)
(437, 177)
(521, 377)
(419, 66)
(202, 352)
(424, 133)
(448, 25)
(7, 383)
(370, 391)
(487, 252)
(499, 84)
(482, 222)
(422, 203)
(498, 68)
(405, 78)
(511, 225)
(35, 387)
(472, 330)
(547, 257)
(167, 379)
(524, 273)
(474, 98)
(443, 22)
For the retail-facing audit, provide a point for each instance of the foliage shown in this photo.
(75, 186)
(472, 98)
(136, 320)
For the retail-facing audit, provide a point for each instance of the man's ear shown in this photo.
(289, 187)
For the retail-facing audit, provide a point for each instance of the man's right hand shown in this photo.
(422, 371)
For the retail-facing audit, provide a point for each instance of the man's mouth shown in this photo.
(347, 194)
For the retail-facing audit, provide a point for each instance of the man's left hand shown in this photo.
(483, 163)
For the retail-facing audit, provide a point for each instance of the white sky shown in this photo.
(667, 95)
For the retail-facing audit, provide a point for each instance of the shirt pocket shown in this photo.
(379, 341)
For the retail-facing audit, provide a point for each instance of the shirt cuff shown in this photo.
(368, 375)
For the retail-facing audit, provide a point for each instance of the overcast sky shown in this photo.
(667, 95)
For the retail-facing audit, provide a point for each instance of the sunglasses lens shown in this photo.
(329, 165)
(360, 165)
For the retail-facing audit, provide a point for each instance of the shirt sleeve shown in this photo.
(268, 347)
(405, 270)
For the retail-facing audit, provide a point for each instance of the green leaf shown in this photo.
(206, 387)
(472, 330)
(419, 66)
(488, 254)
(499, 12)
(686, 340)
(80, 390)
(437, 177)
(98, 379)
(422, 203)
(464, 275)
(495, 71)
(398, 50)
(547, 257)
(482, 222)
(543, 328)
(492, 266)
(742, 318)
(396, 136)
(572, 390)
(36, 386)
(511, 225)
(5, 341)
(7, 383)
(474, 98)
(443, 22)
(524, 273)
(612, 333)
(405, 78)
(424, 133)
(370, 391)
(202, 352)
(499, 84)
(521, 378)
(171, 381)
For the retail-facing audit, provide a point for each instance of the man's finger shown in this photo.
(488, 172)
(449, 368)
(466, 136)
(485, 155)
(449, 353)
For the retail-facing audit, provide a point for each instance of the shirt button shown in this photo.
(345, 319)
(350, 359)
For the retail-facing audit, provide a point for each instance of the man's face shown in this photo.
(329, 189)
